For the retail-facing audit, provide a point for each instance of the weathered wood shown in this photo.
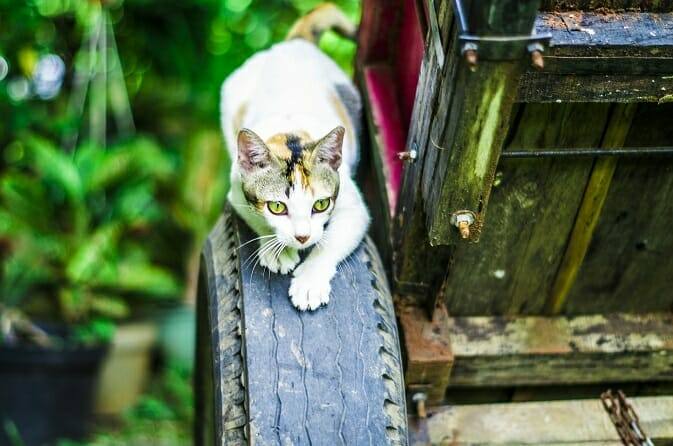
(591, 207)
(625, 57)
(542, 87)
(476, 107)
(428, 351)
(607, 5)
(628, 267)
(419, 267)
(501, 352)
(576, 422)
(531, 213)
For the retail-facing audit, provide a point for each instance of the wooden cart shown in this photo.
(522, 191)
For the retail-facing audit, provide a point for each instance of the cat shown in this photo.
(290, 116)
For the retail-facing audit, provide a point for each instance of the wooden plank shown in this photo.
(470, 139)
(579, 35)
(419, 267)
(591, 207)
(594, 57)
(576, 422)
(607, 5)
(628, 267)
(534, 350)
(531, 214)
(543, 87)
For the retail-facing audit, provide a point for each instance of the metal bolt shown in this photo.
(469, 52)
(462, 220)
(408, 156)
(537, 61)
(420, 398)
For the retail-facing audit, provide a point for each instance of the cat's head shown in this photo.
(292, 181)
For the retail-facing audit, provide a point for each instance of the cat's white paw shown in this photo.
(310, 287)
(279, 263)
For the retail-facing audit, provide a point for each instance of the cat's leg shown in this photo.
(348, 224)
(276, 258)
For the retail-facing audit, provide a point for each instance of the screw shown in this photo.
(471, 59)
(462, 220)
(469, 52)
(464, 228)
(537, 61)
(420, 398)
(408, 156)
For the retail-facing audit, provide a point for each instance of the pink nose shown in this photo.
(302, 238)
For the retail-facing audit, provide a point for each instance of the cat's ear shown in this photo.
(252, 152)
(328, 149)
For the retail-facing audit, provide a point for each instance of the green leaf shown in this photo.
(110, 306)
(91, 255)
(142, 278)
(56, 166)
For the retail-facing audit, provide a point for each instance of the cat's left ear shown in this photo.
(328, 149)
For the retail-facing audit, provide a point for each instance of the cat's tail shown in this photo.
(326, 16)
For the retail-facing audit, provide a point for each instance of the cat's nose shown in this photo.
(302, 238)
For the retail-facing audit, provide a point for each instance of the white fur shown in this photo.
(292, 88)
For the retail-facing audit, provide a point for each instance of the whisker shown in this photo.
(255, 239)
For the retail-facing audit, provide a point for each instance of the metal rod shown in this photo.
(462, 21)
(587, 152)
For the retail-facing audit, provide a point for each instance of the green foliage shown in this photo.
(163, 416)
(73, 226)
(90, 234)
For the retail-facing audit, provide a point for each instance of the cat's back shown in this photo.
(292, 85)
(286, 65)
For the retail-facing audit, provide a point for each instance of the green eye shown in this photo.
(276, 207)
(321, 205)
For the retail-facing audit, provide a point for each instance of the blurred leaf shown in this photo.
(109, 306)
(73, 303)
(146, 279)
(90, 255)
(203, 183)
(56, 166)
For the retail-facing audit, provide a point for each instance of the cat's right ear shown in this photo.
(252, 152)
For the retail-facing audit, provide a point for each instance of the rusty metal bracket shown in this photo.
(428, 352)
(497, 47)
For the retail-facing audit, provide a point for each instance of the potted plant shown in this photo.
(74, 260)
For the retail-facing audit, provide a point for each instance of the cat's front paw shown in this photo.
(310, 287)
(279, 263)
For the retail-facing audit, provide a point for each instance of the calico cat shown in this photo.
(289, 116)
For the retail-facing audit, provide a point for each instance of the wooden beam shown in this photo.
(501, 352)
(469, 120)
(578, 422)
(591, 207)
(427, 351)
(624, 57)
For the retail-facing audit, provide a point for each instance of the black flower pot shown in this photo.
(47, 394)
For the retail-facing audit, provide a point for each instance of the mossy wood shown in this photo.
(535, 350)
(603, 57)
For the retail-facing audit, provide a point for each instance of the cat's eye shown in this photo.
(276, 207)
(321, 205)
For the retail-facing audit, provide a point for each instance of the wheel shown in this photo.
(269, 374)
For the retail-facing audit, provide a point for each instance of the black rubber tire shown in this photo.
(279, 376)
